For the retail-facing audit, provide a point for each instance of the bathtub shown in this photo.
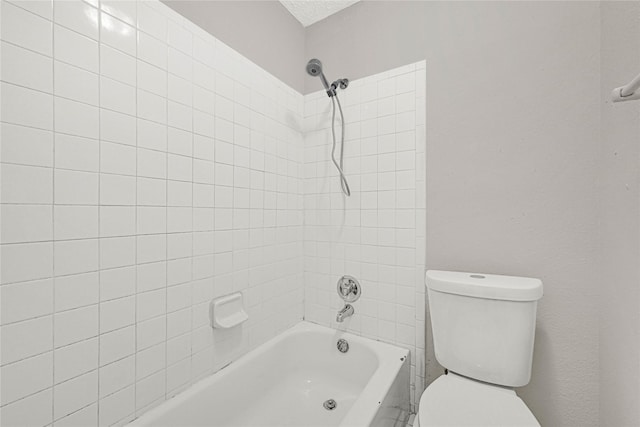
(286, 381)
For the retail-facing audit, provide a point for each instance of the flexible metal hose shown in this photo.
(343, 179)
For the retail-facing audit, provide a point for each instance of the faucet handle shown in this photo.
(345, 288)
(349, 288)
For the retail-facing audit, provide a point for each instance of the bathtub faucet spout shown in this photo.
(346, 311)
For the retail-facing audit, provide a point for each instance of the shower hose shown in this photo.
(339, 165)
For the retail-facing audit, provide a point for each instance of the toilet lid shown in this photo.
(452, 400)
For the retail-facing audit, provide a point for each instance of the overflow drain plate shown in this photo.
(330, 404)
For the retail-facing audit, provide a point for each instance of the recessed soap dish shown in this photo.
(227, 311)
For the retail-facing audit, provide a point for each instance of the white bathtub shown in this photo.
(285, 382)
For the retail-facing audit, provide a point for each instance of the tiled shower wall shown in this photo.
(145, 168)
(377, 234)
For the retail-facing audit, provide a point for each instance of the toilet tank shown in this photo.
(484, 325)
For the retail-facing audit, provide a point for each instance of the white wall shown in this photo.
(378, 234)
(620, 207)
(146, 168)
(263, 31)
(513, 134)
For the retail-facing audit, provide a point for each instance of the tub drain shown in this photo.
(330, 404)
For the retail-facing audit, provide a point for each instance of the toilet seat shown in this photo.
(452, 400)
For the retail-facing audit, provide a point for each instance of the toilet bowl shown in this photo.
(483, 334)
(453, 400)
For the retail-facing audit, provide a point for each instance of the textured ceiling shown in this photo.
(311, 11)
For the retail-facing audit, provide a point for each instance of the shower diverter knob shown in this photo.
(349, 288)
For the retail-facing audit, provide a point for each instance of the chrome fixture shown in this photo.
(341, 83)
(343, 345)
(349, 288)
(330, 404)
(346, 311)
(314, 68)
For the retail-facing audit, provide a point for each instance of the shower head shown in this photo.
(314, 68)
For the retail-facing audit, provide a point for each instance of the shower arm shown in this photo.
(333, 87)
(332, 90)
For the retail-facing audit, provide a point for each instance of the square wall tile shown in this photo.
(117, 96)
(76, 291)
(77, 153)
(75, 49)
(26, 145)
(75, 222)
(117, 65)
(26, 223)
(124, 10)
(75, 188)
(117, 252)
(76, 83)
(117, 127)
(26, 30)
(26, 107)
(26, 339)
(26, 300)
(75, 325)
(75, 256)
(28, 261)
(76, 118)
(77, 16)
(24, 67)
(117, 34)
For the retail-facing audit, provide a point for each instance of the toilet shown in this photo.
(483, 333)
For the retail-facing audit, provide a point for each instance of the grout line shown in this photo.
(189, 379)
(166, 250)
(136, 294)
(100, 218)
(53, 215)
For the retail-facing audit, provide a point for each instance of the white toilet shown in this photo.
(483, 332)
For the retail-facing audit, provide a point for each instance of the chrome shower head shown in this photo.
(314, 68)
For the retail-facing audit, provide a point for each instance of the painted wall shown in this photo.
(620, 154)
(263, 31)
(146, 168)
(512, 158)
(378, 234)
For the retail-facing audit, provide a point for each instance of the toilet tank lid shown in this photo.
(488, 286)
